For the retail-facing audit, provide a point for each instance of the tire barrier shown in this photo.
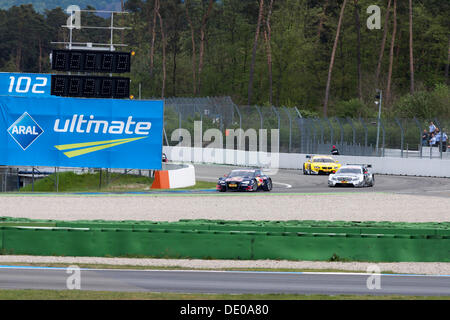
(215, 239)
(174, 176)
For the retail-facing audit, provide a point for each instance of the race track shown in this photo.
(294, 197)
(293, 181)
(224, 282)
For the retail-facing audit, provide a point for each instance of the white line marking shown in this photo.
(288, 186)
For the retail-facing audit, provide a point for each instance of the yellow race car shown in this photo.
(320, 165)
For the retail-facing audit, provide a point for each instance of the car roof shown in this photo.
(322, 157)
(244, 169)
(353, 167)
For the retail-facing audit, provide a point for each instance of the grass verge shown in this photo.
(11, 294)
(109, 182)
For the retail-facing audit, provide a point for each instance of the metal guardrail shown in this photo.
(299, 134)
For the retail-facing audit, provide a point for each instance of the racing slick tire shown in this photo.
(268, 185)
(223, 189)
(373, 182)
(255, 186)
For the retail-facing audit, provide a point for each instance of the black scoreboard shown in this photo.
(90, 86)
(90, 61)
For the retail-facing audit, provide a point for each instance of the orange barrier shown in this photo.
(161, 180)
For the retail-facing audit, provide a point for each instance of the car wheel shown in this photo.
(268, 185)
(304, 170)
(255, 186)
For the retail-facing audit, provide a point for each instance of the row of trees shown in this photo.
(315, 54)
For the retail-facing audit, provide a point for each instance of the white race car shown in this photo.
(357, 175)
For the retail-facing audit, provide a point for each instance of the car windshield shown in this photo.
(324, 160)
(350, 170)
(241, 173)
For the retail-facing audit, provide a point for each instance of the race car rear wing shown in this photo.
(360, 164)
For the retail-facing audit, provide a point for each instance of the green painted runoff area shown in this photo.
(227, 239)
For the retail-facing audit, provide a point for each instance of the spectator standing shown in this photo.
(432, 140)
(437, 136)
(432, 128)
(424, 137)
(334, 151)
(444, 138)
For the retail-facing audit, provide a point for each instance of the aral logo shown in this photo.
(25, 130)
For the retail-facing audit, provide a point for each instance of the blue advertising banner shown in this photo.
(77, 132)
(25, 84)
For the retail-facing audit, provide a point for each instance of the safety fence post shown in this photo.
(401, 136)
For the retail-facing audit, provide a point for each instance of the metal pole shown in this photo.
(401, 136)
(384, 136)
(379, 119)
(112, 28)
(420, 136)
(32, 180)
(441, 133)
(290, 127)
(331, 130)
(365, 135)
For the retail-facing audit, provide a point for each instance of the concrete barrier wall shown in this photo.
(202, 244)
(380, 165)
(182, 177)
(174, 176)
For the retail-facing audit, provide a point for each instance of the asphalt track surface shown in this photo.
(294, 181)
(224, 282)
(284, 181)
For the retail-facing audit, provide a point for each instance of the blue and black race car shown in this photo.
(244, 180)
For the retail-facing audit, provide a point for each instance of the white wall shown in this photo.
(182, 177)
(380, 165)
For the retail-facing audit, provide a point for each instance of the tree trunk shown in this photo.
(194, 71)
(121, 34)
(358, 49)
(40, 55)
(267, 38)
(152, 47)
(18, 57)
(391, 55)
(333, 53)
(163, 38)
(322, 18)
(202, 42)
(411, 56)
(447, 66)
(255, 44)
(174, 73)
(383, 42)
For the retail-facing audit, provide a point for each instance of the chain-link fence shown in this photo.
(298, 134)
(9, 179)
